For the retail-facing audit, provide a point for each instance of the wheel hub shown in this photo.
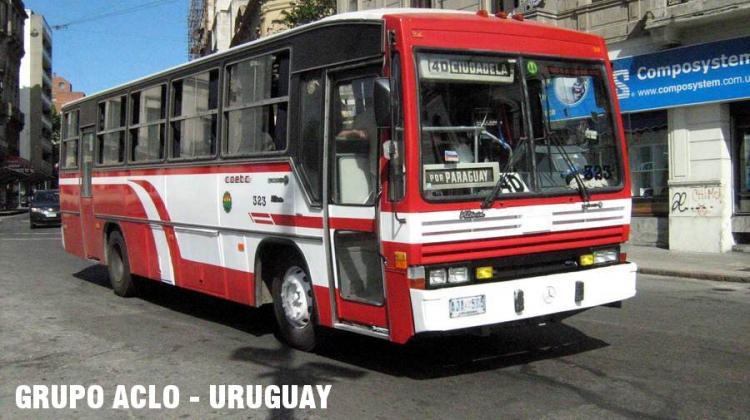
(296, 297)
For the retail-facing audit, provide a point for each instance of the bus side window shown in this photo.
(255, 104)
(194, 115)
(355, 144)
(310, 134)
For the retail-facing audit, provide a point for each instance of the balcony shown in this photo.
(46, 60)
(47, 123)
(14, 115)
(47, 79)
(47, 103)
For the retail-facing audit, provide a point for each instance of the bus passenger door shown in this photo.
(87, 202)
(352, 193)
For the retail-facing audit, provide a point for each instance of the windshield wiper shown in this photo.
(487, 203)
(572, 168)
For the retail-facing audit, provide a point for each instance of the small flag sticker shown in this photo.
(451, 156)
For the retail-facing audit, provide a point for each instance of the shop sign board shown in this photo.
(713, 72)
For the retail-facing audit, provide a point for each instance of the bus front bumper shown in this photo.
(460, 307)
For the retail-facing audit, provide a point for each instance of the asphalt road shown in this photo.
(680, 349)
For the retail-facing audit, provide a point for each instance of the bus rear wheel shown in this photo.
(294, 306)
(118, 264)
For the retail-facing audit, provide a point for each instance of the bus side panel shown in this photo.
(317, 269)
(240, 287)
(120, 200)
(399, 307)
(71, 217)
(239, 256)
(141, 249)
(73, 238)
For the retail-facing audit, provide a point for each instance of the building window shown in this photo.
(646, 134)
(741, 156)
(425, 4)
(504, 5)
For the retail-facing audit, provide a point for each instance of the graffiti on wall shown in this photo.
(697, 201)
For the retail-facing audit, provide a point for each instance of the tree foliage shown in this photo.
(306, 11)
(56, 126)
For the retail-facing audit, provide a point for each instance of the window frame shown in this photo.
(349, 76)
(169, 131)
(130, 157)
(102, 131)
(225, 109)
(66, 140)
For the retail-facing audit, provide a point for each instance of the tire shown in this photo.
(118, 265)
(294, 306)
(32, 225)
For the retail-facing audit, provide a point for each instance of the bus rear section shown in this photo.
(417, 178)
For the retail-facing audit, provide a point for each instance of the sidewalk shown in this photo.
(729, 266)
(14, 211)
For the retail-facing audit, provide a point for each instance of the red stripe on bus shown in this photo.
(298, 221)
(197, 170)
(155, 197)
(343, 223)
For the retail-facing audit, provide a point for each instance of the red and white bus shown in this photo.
(391, 173)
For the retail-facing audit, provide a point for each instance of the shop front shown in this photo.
(686, 116)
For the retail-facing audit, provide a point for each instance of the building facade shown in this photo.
(62, 92)
(12, 168)
(682, 73)
(216, 25)
(36, 103)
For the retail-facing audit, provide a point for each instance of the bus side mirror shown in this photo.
(382, 99)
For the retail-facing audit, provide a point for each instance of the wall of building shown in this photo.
(701, 209)
(62, 92)
(36, 101)
(12, 120)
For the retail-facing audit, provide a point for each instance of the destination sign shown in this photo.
(468, 68)
(460, 175)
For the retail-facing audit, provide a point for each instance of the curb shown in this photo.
(700, 275)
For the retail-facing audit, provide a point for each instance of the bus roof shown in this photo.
(373, 15)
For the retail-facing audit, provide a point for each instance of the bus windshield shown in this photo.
(480, 130)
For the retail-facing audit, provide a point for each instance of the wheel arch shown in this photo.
(268, 251)
(107, 230)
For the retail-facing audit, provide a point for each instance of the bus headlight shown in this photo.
(458, 275)
(604, 256)
(438, 277)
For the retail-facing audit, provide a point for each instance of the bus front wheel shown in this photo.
(294, 307)
(118, 264)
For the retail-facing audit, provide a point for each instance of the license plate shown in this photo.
(467, 306)
(51, 214)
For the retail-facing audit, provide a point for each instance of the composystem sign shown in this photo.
(714, 72)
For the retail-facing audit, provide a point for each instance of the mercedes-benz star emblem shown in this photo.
(549, 294)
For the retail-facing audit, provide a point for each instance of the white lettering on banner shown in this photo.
(138, 397)
(152, 397)
(58, 396)
(702, 66)
(271, 396)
